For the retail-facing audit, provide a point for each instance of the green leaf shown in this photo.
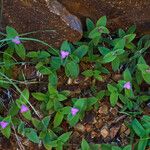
(46, 121)
(14, 109)
(36, 123)
(137, 127)
(20, 50)
(120, 44)
(32, 135)
(61, 97)
(65, 110)
(102, 21)
(53, 79)
(43, 70)
(85, 145)
(100, 94)
(109, 57)
(131, 29)
(81, 104)
(129, 38)
(65, 46)
(121, 33)
(111, 88)
(27, 115)
(43, 54)
(146, 76)
(6, 132)
(91, 101)
(89, 24)
(115, 148)
(72, 120)
(55, 63)
(39, 96)
(106, 147)
(58, 119)
(98, 31)
(113, 99)
(128, 147)
(142, 144)
(127, 75)
(104, 50)
(88, 73)
(115, 64)
(81, 51)
(64, 137)
(72, 69)
(11, 32)
(94, 33)
(32, 54)
(24, 96)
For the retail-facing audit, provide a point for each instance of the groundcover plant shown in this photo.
(42, 109)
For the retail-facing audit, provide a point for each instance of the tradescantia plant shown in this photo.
(39, 115)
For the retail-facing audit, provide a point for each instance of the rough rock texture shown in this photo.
(120, 13)
(49, 17)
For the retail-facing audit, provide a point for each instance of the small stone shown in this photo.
(69, 81)
(99, 124)
(123, 128)
(79, 127)
(94, 120)
(104, 132)
(127, 132)
(93, 134)
(88, 128)
(117, 77)
(103, 109)
(114, 131)
(114, 111)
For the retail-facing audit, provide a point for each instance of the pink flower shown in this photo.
(3, 124)
(127, 85)
(64, 54)
(24, 108)
(16, 40)
(74, 111)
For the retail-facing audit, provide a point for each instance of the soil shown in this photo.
(105, 124)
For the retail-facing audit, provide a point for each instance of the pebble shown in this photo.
(79, 127)
(114, 131)
(114, 111)
(103, 109)
(104, 132)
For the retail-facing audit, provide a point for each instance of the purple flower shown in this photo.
(16, 40)
(24, 108)
(64, 54)
(127, 85)
(74, 111)
(3, 124)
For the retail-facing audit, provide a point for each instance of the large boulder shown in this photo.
(50, 18)
(120, 13)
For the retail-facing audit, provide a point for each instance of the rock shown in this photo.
(104, 132)
(120, 13)
(50, 18)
